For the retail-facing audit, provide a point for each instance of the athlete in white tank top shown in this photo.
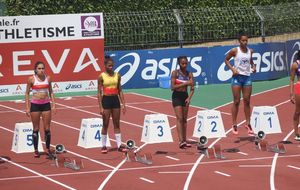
(242, 62)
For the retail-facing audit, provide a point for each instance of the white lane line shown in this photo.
(172, 158)
(141, 109)
(99, 115)
(37, 173)
(175, 172)
(221, 173)
(294, 167)
(189, 178)
(273, 168)
(243, 153)
(147, 180)
(255, 166)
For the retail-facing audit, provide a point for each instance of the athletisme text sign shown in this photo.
(71, 46)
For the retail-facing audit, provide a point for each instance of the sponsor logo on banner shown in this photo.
(295, 49)
(90, 26)
(4, 90)
(19, 90)
(91, 86)
(73, 86)
(151, 67)
(56, 88)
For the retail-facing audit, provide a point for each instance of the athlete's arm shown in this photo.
(294, 68)
(253, 66)
(121, 95)
(191, 89)
(99, 94)
(27, 102)
(176, 86)
(230, 54)
(53, 108)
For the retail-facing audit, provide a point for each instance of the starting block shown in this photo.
(22, 140)
(90, 133)
(71, 163)
(144, 158)
(209, 124)
(277, 148)
(214, 152)
(156, 129)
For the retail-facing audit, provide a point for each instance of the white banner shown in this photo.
(51, 27)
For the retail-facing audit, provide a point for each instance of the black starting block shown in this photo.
(71, 163)
(214, 152)
(263, 145)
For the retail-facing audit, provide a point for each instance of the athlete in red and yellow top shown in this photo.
(111, 100)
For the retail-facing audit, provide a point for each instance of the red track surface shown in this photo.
(179, 169)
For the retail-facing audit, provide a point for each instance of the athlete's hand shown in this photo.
(189, 83)
(27, 112)
(292, 98)
(235, 72)
(101, 110)
(254, 69)
(123, 107)
(53, 110)
(187, 102)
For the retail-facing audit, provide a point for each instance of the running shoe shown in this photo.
(36, 154)
(122, 149)
(182, 145)
(249, 128)
(234, 130)
(104, 150)
(297, 137)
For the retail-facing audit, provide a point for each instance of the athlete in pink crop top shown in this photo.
(295, 94)
(39, 106)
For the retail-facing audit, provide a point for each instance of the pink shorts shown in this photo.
(297, 88)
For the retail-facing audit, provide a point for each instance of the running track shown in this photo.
(179, 169)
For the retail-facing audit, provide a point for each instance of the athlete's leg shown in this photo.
(236, 92)
(46, 116)
(247, 90)
(179, 122)
(35, 118)
(296, 115)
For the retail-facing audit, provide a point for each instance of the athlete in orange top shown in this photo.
(109, 97)
(39, 106)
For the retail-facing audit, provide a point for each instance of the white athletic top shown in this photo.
(40, 86)
(242, 62)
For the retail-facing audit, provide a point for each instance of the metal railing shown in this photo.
(157, 29)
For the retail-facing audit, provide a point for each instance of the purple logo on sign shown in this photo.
(90, 26)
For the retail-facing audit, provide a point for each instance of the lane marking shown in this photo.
(175, 172)
(255, 166)
(147, 180)
(221, 173)
(172, 158)
(242, 153)
(37, 173)
(189, 178)
(273, 168)
(294, 167)
(137, 108)
(152, 167)
(99, 115)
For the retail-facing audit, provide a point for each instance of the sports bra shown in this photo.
(110, 83)
(180, 78)
(40, 86)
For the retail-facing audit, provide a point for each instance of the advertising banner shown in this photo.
(71, 46)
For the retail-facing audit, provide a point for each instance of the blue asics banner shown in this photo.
(142, 69)
(292, 48)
